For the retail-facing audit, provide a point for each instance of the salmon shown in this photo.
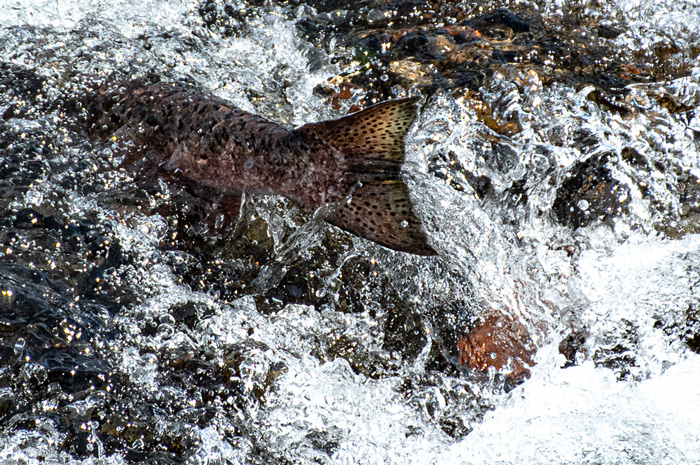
(350, 166)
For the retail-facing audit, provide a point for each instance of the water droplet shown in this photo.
(167, 319)
(19, 346)
(404, 223)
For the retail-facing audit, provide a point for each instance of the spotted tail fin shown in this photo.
(376, 203)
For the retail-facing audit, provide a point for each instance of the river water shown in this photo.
(125, 339)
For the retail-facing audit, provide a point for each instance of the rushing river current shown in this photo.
(558, 324)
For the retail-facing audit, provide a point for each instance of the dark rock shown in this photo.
(590, 194)
(616, 350)
(571, 345)
(499, 19)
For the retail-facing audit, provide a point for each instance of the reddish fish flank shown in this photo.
(351, 164)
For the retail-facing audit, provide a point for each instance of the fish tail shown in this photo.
(375, 200)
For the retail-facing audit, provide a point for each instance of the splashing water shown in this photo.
(120, 347)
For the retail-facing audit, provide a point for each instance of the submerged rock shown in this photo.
(590, 194)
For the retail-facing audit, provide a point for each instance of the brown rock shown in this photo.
(498, 341)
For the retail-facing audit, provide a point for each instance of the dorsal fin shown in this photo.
(376, 203)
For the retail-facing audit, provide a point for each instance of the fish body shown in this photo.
(352, 164)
